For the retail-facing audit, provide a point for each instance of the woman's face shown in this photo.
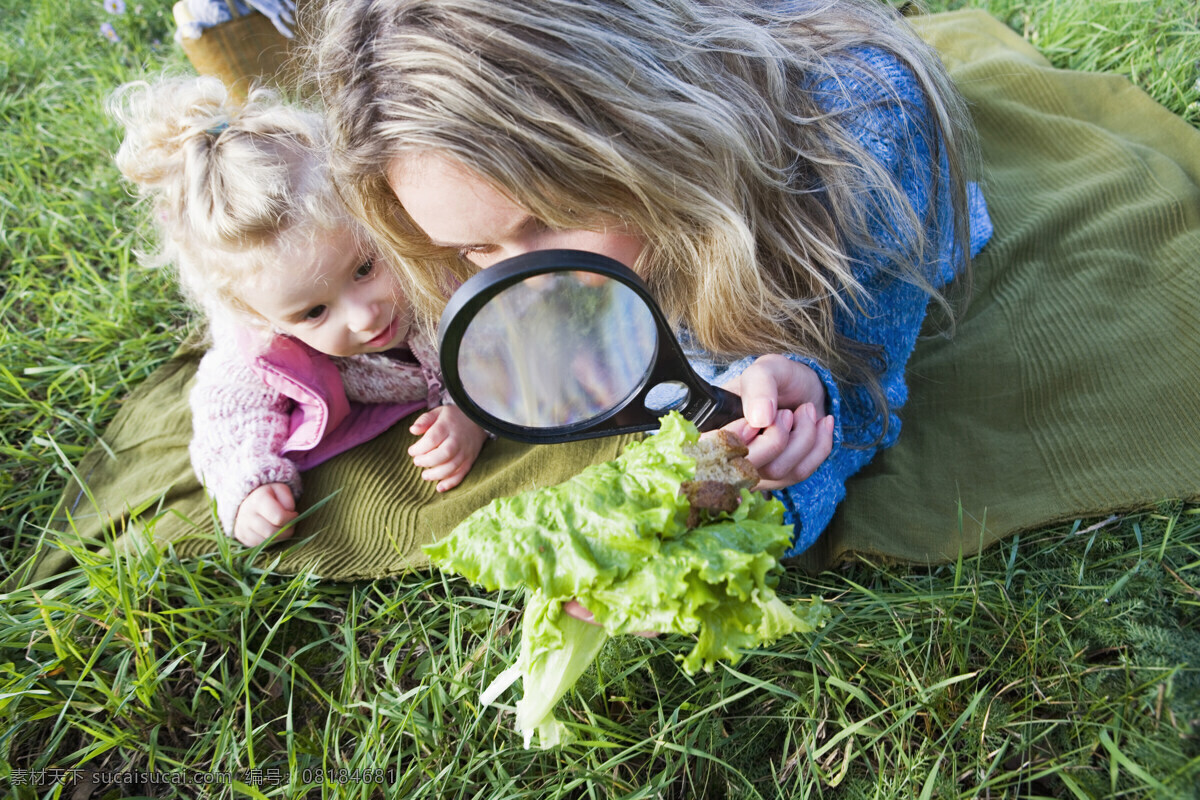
(457, 208)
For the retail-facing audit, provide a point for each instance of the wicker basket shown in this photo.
(246, 50)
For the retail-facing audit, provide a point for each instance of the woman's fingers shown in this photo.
(792, 448)
(573, 608)
(773, 382)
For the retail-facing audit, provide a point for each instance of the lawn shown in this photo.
(1062, 663)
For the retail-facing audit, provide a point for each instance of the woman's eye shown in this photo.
(365, 268)
(315, 312)
(474, 250)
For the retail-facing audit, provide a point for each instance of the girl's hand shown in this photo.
(785, 426)
(448, 446)
(264, 511)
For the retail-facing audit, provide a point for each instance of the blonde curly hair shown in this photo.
(693, 122)
(231, 186)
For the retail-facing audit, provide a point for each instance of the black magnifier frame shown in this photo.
(705, 405)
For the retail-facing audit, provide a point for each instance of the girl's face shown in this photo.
(332, 296)
(457, 208)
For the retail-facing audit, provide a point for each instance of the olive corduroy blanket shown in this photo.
(1071, 387)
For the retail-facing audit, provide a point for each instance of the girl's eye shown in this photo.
(365, 268)
(315, 312)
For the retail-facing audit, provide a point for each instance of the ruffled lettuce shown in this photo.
(615, 538)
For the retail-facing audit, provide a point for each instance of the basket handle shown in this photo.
(232, 6)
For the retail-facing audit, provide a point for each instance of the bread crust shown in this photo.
(722, 471)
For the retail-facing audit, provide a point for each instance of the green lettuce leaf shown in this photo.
(615, 538)
(555, 650)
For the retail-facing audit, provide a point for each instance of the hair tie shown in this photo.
(218, 129)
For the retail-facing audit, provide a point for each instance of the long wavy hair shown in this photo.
(232, 187)
(693, 122)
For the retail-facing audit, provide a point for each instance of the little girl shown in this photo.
(313, 343)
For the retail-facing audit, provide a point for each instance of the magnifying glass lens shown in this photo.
(559, 345)
(558, 349)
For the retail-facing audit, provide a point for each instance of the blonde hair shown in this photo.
(231, 186)
(694, 122)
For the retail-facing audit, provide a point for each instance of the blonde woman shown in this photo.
(788, 178)
(314, 347)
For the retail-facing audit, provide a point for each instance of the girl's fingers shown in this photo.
(773, 382)
(278, 515)
(283, 496)
(447, 451)
(788, 454)
(745, 432)
(281, 535)
(760, 394)
(440, 471)
(572, 608)
(421, 424)
(454, 479)
(264, 511)
(425, 423)
(434, 438)
(254, 531)
(454, 459)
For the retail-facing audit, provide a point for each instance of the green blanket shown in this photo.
(1071, 389)
(1072, 386)
(365, 513)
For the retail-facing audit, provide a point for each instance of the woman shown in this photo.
(788, 179)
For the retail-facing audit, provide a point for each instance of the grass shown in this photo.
(1058, 664)
(1155, 43)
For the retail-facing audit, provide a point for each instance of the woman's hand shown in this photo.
(448, 446)
(785, 428)
(264, 511)
(784, 424)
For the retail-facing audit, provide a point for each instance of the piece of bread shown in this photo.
(722, 471)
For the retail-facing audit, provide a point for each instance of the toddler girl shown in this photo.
(313, 343)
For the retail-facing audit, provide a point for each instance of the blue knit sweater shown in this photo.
(885, 110)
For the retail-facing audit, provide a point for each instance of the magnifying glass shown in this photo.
(559, 345)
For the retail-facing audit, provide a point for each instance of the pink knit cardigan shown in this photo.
(263, 416)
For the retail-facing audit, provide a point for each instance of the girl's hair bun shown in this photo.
(224, 180)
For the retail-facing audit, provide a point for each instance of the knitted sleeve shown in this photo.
(239, 426)
(885, 110)
(378, 378)
(425, 351)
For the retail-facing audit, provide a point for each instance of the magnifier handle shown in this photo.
(727, 409)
